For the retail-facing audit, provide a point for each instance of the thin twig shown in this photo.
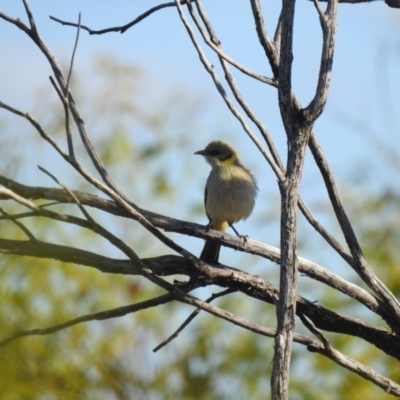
(20, 225)
(191, 317)
(65, 103)
(328, 25)
(123, 28)
(30, 17)
(270, 48)
(67, 124)
(103, 315)
(71, 193)
(73, 54)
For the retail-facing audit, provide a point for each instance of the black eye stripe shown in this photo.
(222, 155)
(225, 156)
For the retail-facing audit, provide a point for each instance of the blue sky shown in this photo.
(367, 47)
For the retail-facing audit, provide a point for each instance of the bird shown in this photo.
(229, 195)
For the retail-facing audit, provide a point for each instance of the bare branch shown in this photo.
(362, 370)
(20, 225)
(328, 25)
(65, 104)
(324, 233)
(103, 315)
(297, 142)
(37, 126)
(71, 193)
(191, 317)
(30, 17)
(215, 44)
(360, 265)
(270, 48)
(210, 69)
(120, 199)
(390, 3)
(277, 167)
(71, 66)
(123, 28)
(285, 64)
(307, 267)
(223, 276)
(67, 125)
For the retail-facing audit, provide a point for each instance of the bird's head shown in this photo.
(219, 153)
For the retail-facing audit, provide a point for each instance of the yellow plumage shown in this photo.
(230, 192)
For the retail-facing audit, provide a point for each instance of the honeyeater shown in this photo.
(229, 195)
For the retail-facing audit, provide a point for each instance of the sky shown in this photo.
(366, 54)
(358, 128)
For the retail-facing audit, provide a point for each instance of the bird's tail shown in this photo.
(210, 251)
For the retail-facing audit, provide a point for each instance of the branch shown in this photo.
(277, 166)
(110, 188)
(191, 317)
(23, 228)
(123, 28)
(210, 69)
(114, 313)
(360, 265)
(65, 99)
(270, 48)
(215, 44)
(297, 142)
(328, 25)
(307, 267)
(362, 370)
(342, 360)
(272, 52)
(114, 193)
(390, 3)
(223, 276)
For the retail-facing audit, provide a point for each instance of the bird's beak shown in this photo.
(200, 152)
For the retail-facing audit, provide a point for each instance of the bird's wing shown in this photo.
(205, 202)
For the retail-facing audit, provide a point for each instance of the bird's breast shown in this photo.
(231, 193)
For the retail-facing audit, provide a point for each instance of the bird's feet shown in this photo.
(245, 239)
